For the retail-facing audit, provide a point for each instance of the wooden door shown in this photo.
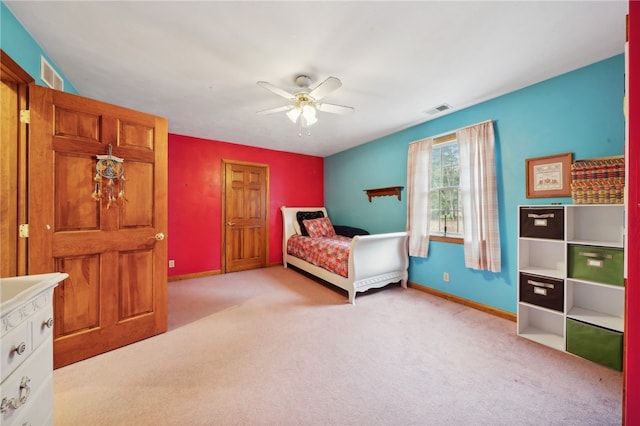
(245, 216)
(115, 254)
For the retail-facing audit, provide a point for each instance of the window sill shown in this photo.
(442, 239)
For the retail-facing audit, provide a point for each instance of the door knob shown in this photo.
(159, 236)
(231, 223)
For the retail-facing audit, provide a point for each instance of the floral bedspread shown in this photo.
(330, 253)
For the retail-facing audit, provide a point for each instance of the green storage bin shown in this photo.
(599, 264)
(595, 343)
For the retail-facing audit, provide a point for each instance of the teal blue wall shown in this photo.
(578, 112)
(16, 42)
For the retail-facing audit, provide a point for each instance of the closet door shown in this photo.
(115, 253)
(246, 188)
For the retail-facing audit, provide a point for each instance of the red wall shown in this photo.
(631, 413)
(195, 194)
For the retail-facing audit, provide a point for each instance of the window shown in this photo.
(445, 203)
(448, 178)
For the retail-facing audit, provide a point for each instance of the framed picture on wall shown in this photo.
(549, 176)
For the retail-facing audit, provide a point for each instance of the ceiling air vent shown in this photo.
(49, 76)
(438, 109)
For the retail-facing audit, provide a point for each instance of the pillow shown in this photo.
(301, 216)
(349, 231)
(319, 227)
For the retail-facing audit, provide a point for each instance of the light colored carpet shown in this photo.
(273, 347)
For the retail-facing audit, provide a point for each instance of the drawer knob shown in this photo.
(48, 323)
(20, 348)
(15, 403)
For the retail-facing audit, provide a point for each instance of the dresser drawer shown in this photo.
(40, 410)
(34, 379)
(542, 291)
(599, 264)
(42, 325)
(15, 347)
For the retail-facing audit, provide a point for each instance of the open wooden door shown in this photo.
(245, 216)
(115, 255)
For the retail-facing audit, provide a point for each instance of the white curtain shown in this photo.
(479, 197)
(418, 185)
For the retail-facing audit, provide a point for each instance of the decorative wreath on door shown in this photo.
(111, 169)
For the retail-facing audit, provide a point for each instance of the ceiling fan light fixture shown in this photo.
(293, 114)
(304, 114)
(311, 121)
(304, 110)
(309, 113)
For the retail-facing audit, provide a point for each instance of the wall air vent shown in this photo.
(438, 109)
(49, 75)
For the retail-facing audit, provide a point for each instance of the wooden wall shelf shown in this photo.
(382, 192)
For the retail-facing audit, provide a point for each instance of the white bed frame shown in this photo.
(374, 260)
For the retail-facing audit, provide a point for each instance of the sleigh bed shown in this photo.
(372, 261)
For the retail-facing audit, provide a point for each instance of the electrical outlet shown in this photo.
(172, 263)
(445, 277)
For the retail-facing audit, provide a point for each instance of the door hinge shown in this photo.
(23, 230)
(25, 116)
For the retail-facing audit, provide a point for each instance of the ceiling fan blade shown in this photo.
(324, 88)
(278, 91)
(274, 110)
(335, 109)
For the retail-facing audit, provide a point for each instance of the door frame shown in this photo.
(13, 72)
(223, 213)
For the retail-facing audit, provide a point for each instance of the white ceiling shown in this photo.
(197, 63)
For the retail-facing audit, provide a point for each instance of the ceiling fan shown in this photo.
(305, 102)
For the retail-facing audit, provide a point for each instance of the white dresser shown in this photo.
(26, 348)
